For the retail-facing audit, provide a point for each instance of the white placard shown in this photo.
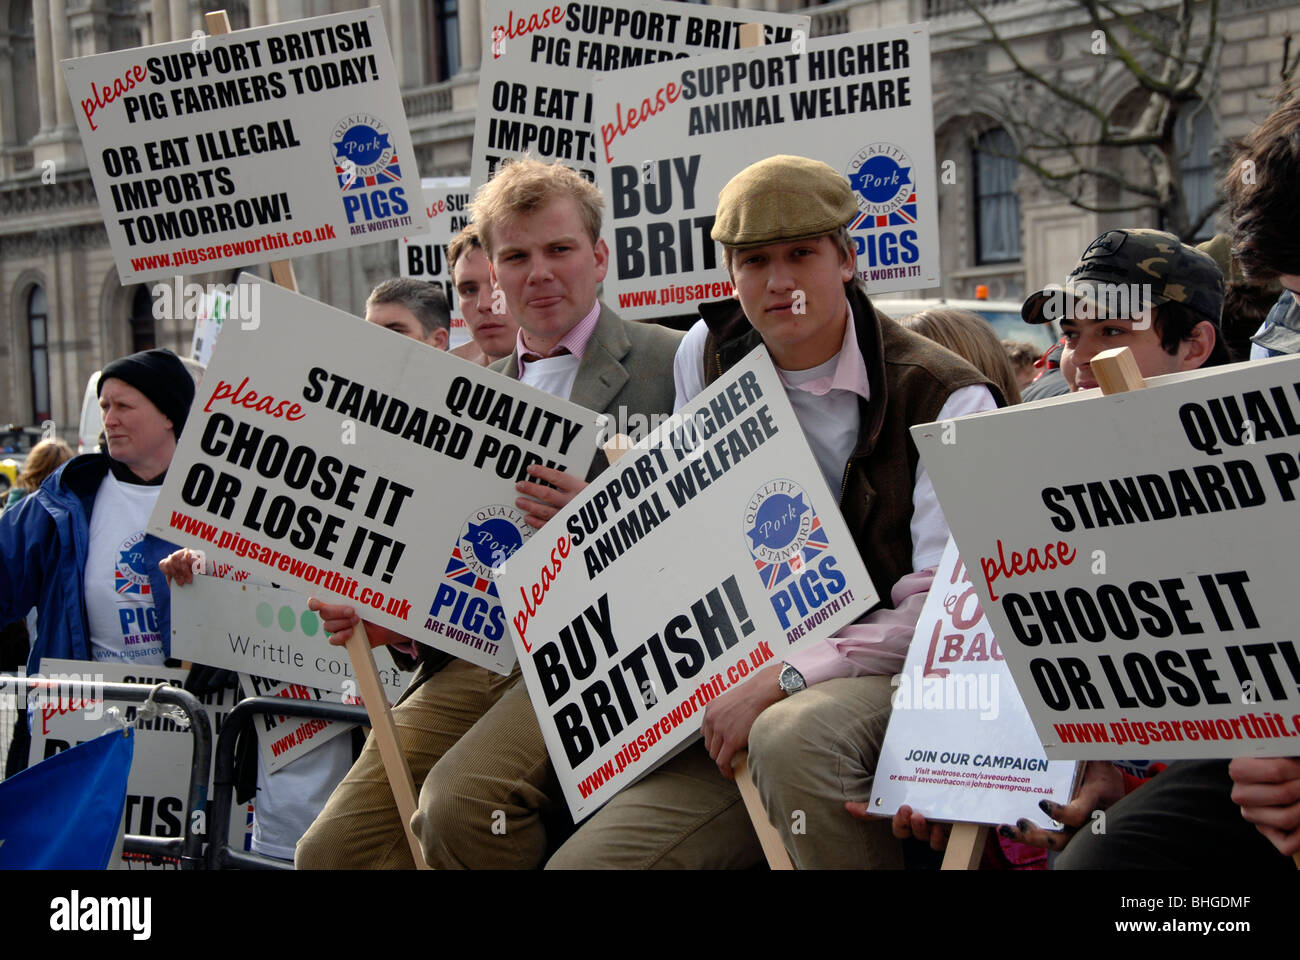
(283, 739)
(1134, 554)
(267, 632)
(707, 552)
(672, 135)
(446, 204)
(158, 785)
(340, 459)
(539, 59)
(262, 144)
(960, 745)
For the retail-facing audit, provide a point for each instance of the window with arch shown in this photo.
(143, 332)
(997, 208)
(38, 339)
(1194, 143)
(444, 28)
(22, 60)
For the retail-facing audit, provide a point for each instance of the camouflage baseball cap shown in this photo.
(1134, 268)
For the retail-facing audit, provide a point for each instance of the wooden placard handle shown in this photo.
(1117, 371)
(385, 734)
(965, 846)
(778, 858)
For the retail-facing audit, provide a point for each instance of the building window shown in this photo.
(39, 338)
(143, 336)
(447, 23)
(22, 60)
(1193, 141)
(997, 208)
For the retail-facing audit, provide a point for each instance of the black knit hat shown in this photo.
(160, 376)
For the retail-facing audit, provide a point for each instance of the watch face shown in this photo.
(790, 679)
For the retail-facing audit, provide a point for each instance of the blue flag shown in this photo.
(64, 813)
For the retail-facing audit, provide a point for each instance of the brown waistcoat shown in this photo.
(911, 378)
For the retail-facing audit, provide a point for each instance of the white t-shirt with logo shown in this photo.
(119, 600)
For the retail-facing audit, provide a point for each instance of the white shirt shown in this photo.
(826, 421)
(119, 600)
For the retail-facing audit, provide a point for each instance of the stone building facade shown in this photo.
(64, 313)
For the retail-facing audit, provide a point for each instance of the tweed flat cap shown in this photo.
(780, 199)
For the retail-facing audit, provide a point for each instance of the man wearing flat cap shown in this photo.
(857, 381)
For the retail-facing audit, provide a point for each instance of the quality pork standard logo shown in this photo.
(488, 538)
(131, 573)
(365, 162)
(789, 546)
(881, 177)
(885, 191)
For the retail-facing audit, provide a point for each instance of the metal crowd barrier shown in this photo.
(220, 855)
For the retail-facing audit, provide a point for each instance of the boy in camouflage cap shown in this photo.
(1141, 289)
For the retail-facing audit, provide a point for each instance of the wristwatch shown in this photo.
(791, 680)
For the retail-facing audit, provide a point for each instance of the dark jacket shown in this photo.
(911, 378)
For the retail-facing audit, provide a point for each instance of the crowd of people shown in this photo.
(527, 273)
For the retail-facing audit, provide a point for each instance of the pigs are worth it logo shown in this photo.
(784, 531)
(488, 538)
(883, 186)
(363, 153)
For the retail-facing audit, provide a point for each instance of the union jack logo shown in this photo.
(903, 215)
(459, 570)
(773, 573)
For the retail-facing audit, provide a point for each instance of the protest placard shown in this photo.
(539, 58)
(446, 204)
(1132, 553)
(160, 771)
(960, 745)
(264, 631)
(212, 313)
(671, 135)
(282, 740)
(710, 550)
(343, 460)
(262, 144)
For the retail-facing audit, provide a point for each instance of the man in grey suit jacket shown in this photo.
(470, 735)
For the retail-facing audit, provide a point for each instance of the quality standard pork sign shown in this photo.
(706, 553)
(1135, 555)
(339, 459)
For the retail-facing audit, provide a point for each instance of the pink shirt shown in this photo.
(575, 341)
(850, 369)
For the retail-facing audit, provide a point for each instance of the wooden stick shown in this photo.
(965, 846)
(1117, 371)
(385, 734)
(751, 35)
(768, 836)
(358, 646)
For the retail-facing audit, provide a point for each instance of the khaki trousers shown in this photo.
(472, 740)
(808, 754)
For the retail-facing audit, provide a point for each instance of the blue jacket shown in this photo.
(43, 544)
